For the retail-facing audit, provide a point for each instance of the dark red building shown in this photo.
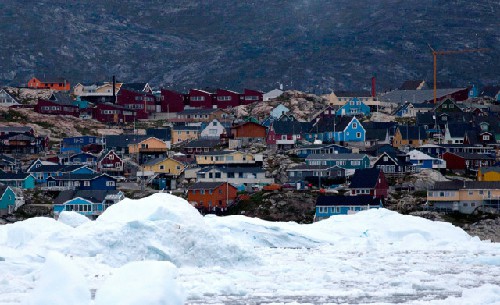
(56, 108)
(108, 113)
(369, 181)
(227, 98)
(201, 99)
(142, 102)
(251, 96)
(171, 101)
(467, 161)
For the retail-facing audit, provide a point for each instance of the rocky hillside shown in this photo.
(304, 44)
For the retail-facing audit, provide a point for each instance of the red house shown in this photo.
(467, 161)
(56, 108)
(109, 113)
(201, 99)
(251, 96)
(109, 162)
(369, 181)
(171, 101)
(227, 98)
(212, 196)
(59, 84)
(143, 102)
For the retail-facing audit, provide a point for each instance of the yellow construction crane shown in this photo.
(436, 53)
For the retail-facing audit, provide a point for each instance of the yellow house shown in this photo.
(225, 157)
(167, 166)
(410, 136)
(488, 173)
(464, 196)
(149, 145)
(184, 133)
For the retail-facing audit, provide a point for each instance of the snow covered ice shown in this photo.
(159, 250)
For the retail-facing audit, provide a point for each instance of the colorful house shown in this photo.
(7, 200)
(304, 172)
(109, 162)
(226, 157)
(43, 172)
(467, 161)
(144, 103)
(94, 181)
(171, 101)
(227, 98)
(464, 196)
(166, 166)
(88, 203)
(181, 133)
(327, 206)
(109, 113)
(369, 181)
(234, 175)
(353, 107)
(393, 164)
(413, 136)
(201, 146)
(76, 144)
(448, 105)
(346, 161)
(249, 131)
(59, 84)
(7, 100)
(213, 129)
(201, 98)
(56, 108)
(24, 181)
(212, 196)
(343, 129)
(149, 145)
(314, 149)
(422, 160)
(250, 96)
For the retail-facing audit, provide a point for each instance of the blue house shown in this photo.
(43, 172)
(7, 200)
(346, 161)
(354, 107)
(423, 160)
(82, 158)
(94, 181)
(75, 144)
(327, 206)
(304, 151)
(338, 129)
(87, 203)
(24, 181)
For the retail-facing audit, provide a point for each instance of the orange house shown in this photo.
(212, 196)
(59, 84)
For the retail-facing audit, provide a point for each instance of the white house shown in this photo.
(423, 160)
(272, 94)
(7, 100)
(278, 111)
(213, 130)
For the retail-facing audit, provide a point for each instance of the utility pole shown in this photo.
(436, 53)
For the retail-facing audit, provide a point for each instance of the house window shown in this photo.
(486, 137)
(162, 167)
(220, 191)
(354, 125)
(110, 183)
(202, 192)
(358, 135)
(386, 158)
(111, 157)
(86, 183)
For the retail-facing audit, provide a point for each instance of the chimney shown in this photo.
(114, 89)
(374, 92)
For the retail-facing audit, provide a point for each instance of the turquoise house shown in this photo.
(82, 104)
(327, 206)
(85, 202)
(354, 107)
(7, 200)
(24, 181)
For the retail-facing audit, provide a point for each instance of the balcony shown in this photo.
(152, 150)
(57, 188)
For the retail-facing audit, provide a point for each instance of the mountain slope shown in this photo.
(306, 44)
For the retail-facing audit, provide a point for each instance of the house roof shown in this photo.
(459, 185)
(95, 196)
(164, 134)
(55, 168)
(352, 93)
(218, 152)
(185, 127)
(251, 169)
(15, 129)
(206, 143)
(490, 91)
(471, 156)
(416, 96)
(365, 178)
(335, 157)
(413, 132)
(134, 86)
(197, 111)
(61, 98)
(3, 187)
(69, 176)
(205, 185)
(457, 130)
(495, 169)
(376, 134)
(305, 167)
(124, 140)
(13, 176)
(347, 200)
(411, 84)
(51, 79)
(291, 127)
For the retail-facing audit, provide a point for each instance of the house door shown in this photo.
(343, 111)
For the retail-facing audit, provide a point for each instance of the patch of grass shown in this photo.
(45, 125)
